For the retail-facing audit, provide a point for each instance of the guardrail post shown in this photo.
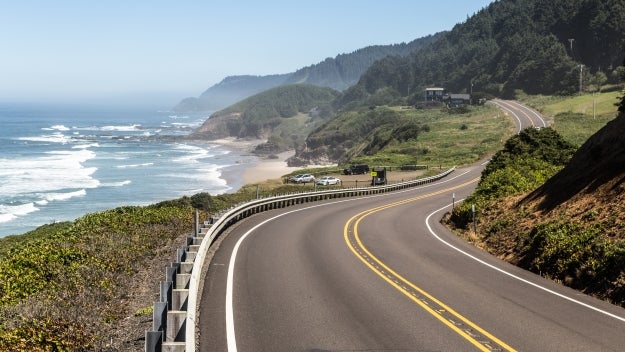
(166, 287)
(153, 341)
(159, 317)
(171, 272)
(196, 224)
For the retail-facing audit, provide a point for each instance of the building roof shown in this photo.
(460, 96)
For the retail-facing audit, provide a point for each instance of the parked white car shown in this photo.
(303, 178)
(328, 180)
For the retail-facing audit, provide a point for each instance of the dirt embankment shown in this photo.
(571, 229)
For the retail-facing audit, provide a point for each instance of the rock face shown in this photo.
(215, 127)
(598, 167)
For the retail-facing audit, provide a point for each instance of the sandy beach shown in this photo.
(261, 169)
(269, 169)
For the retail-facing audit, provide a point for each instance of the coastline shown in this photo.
(269, 169)
(259, 169)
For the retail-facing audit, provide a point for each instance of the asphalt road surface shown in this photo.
(380, 273)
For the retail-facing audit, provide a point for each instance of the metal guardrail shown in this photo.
(175, 315)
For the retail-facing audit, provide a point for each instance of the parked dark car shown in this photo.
(358, 169)
(378, 176)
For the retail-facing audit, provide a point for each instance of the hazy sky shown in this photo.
(111, 50)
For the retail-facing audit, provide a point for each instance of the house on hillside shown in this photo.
(435, 94)
(438, 97)
(456, 100)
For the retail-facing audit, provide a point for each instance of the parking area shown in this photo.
(391, 176)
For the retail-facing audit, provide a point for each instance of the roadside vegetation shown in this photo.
(524, 216)
(64, 285)
(525, 163)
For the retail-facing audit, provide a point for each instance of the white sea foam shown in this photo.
(49, 197)
(193, 154)
(85, 146)
(10, 212)
(209, 175)
(133, 165)
(117, 184)
(6, 217)
(56, 128)
(56, 137)
(126, 128)
(58, 170)
(109, 128)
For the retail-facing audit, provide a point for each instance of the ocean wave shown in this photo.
(133, 165)
(56, 137)
(109, 128)
(50, 197)
(10, 212)
(56, 128)
(122, 128)
(87, 145)
(57, 170)
(210, 175)
(192, 153)
(117, 184)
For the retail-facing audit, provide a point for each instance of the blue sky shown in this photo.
(163, 51)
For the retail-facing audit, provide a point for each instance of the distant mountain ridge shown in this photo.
(229, 91)
(338, 73)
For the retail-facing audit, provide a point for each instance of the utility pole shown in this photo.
(571, 41)
(581, 74)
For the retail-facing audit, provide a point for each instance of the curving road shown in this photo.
(380, 273)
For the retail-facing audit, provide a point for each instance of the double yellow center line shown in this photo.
(479, 337)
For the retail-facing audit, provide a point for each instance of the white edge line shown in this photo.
(427, 223)
(502, 106)
(533, 112)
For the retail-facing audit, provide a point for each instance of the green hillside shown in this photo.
(508, 46)
(283, 116)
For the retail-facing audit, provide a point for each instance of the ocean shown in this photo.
(58, 163)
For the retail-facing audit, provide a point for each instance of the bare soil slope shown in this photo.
(597, 171)
(571, 229)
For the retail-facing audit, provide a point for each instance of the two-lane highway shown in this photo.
(523, 116)
(380, 273)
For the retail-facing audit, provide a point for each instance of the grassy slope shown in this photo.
(573, 117)
(443, 138)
